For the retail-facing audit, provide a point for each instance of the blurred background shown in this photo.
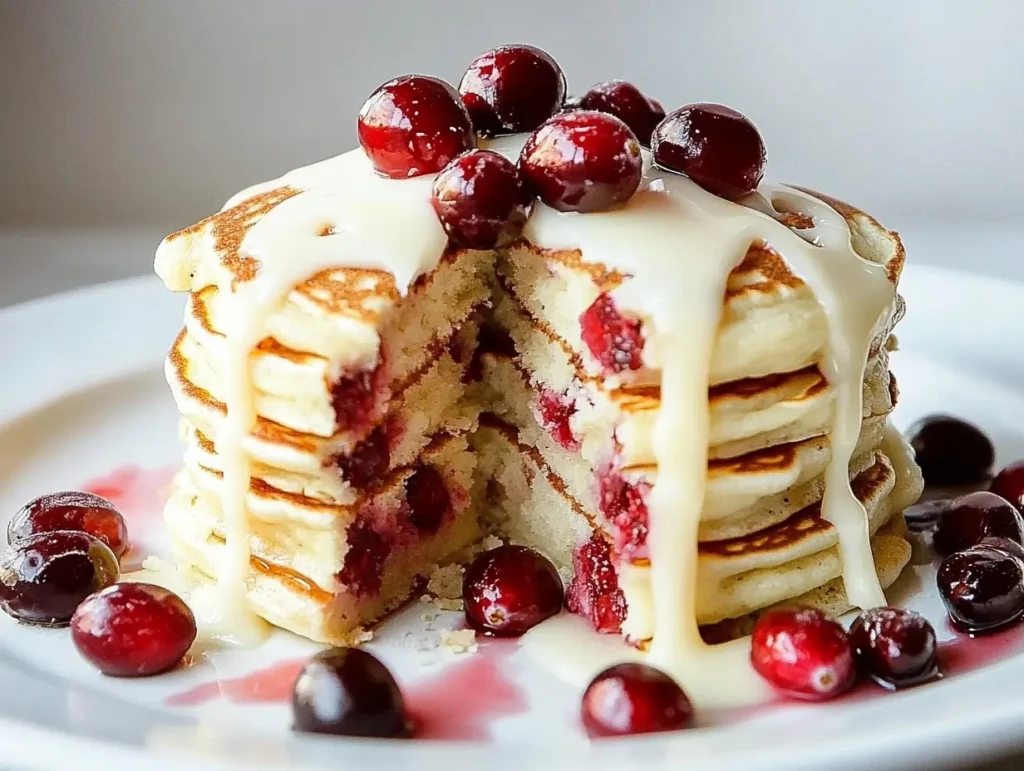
(121, 120)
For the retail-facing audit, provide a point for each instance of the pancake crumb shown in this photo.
(459, 641)
(446, 582)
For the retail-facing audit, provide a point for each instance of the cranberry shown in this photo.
(512, 88)
(951, 451)
(1009, 483)
(624, 504)
(803, 653)
(354, 398)
(45, 576)
(509, 590)
(627, 103)
(895, 647)
(925, 515)
(428, 499)
(368, 461)
(634, 698)
(1004, 545)
(133, 630)
(362, 572)
(481, 200)
(414, 125)
(613, 339)
(348, 692)
(594, 591)
(554, 411)
(969, 518)
(715, 146)
(982, 587)
(84, 512)
(582, 161)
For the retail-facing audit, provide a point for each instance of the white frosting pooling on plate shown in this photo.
(678, 243)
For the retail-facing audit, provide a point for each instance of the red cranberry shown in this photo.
(414, 125)
(481, 200)
(428, 499)
(509, 590)
(951, 451)
(348, 692)
(1009, 483)
(627, 103)
(554, 411)
(362, 573)
(982, 588)
(624, 504)
(924, 516)
(368, 461)
(804, 654)
(613, 339)
(84, 512)
(715, 146)
(582, 161)
(45, 576)
(133, 630)
(354, 398)
(634, 699)
(895, 647)
(512, 88)
(594, 591)
(972, 517)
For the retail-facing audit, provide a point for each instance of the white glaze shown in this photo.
(679, 244)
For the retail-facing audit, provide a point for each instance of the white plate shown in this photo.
(83, 396)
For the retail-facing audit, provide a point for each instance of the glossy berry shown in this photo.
(896, 647)
(627, 103)
(982, 587)
(1009, 483)
(1004, 545)
(803, 653)
(512, 88)
(481, 200)
(348, 692)
(972, 517)
(414, 125)
(45, 576)
(634, 698)
(509, 590)
(428, 499)
(594, 591)
(582, 161)
(951, 451)
(614, 340)
(71, 510)
(715, 146)
(133, 630)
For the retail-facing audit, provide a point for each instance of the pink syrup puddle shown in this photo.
(139, 494)
(459, 702)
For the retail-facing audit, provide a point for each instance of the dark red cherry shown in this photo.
(509, 590)
(133, 630)
(896, 647)
(512, 88)
(1005, 545)
(951, 451)
(715, 146)
(803, 653)
(982, 587)
(71, 510)
(481, 200)
(414, 125)
(613, 339)
(428, 498)
(348, 692)
(582, 161)
(1009, 483)
(45, 576)
(627, 103)
(972, 517)
(634, 698)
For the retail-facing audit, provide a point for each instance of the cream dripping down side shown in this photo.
(679, 243)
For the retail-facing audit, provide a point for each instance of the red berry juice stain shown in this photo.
(459, 702)
(139, 494)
